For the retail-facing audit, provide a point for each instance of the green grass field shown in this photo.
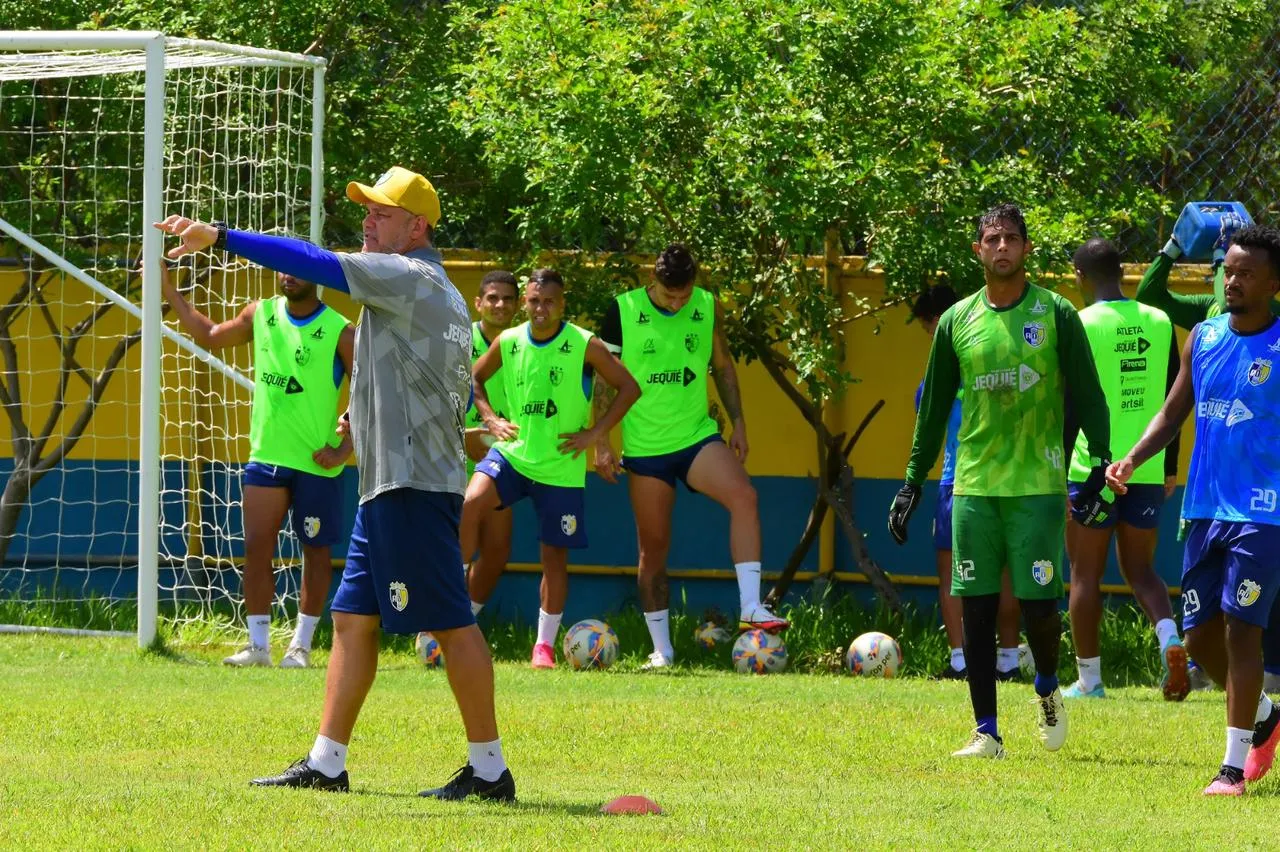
(104, 747)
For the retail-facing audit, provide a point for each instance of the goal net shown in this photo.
(122, 476)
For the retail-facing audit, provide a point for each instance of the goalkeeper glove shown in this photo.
(904, 503)
(1227, 228)
(1091, 508)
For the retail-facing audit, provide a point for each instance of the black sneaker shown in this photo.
(948, 673)
(299, 774)
(1013, 674)
(465, 783)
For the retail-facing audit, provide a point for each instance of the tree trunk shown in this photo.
(17, 491)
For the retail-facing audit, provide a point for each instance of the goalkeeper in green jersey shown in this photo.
(1016, 350)
(1186, 310)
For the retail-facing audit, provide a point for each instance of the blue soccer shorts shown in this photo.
(561, 510)
(942, 517)
(315, 501)
(1230, 567)
(669, 467)
(1139, 508)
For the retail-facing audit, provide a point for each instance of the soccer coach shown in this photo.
(410, 387)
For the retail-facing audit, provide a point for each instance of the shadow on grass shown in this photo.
(1131, 761)
(521, 806)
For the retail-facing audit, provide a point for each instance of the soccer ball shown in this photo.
(709, 635)
(428, 650)
(758, 652)
(1026, 661)
(874, 654)
(590, 644)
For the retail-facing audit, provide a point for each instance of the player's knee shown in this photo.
(1243, 636)
(743, 499)
(1196, 641)
(348, 624)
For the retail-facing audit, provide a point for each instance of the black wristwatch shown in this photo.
(221, 241)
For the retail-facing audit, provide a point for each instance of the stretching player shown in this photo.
(668, 334)
(1137, 358)
(547, 367)
(928, 308)
(1231, 567)
(1016, 349)
(1185, 311)
(295, 460)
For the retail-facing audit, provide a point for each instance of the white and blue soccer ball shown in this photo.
(709, 635)
(590, 644)
(758, 652)
(874, 654)
(428, 650)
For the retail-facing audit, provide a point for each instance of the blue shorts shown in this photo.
(315, 501)
(405, 563)
(669, 467)
(561, 510)
(942, 517)
(1139, 508)
(1232, 568)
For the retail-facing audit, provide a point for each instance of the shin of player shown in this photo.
(1016, 349)
(1137, 359)
(547, 366)
(295, 458)
(670, 336)
(1231, 566)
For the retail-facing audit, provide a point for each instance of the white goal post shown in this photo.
(223, 132)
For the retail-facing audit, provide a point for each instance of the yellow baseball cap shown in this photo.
(400, 188)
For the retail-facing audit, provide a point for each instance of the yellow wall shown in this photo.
(888, 364)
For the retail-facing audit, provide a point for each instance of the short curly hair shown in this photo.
(1262, 238)
(675, 266)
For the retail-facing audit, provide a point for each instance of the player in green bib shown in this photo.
(548, 366)
(1137, 358)
(1017, 350)
(302, 351)
(669, 335)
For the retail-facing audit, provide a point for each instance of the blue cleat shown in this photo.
(1077, 690)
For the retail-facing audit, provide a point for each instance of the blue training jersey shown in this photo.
(1235, 466)
(953, 438)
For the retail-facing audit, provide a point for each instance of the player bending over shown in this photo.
(1016, 349)
(1136, 355)
(670, 335)
(1231, 566)
(295, 458)
(547, 366)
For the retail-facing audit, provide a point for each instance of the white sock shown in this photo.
(1264, 708)
(1090, 669)
(486, 759)
(328, 757)
(548, 625)
(1006, 659)
(259, 631)
(1165, 631)
(748, 585)
(305, 631)
(1238, 742)
(475, 608)
(660, 631)
(957, 659)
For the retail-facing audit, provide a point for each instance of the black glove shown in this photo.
(1091, 508)
(904, 504)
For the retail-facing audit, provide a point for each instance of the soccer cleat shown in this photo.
(1228, 782)
(464, 783)
(657, 660)
(948, 673)
(1077, 690)
(1010, 676)
(544, 656)
(249, 656)
(1051, 714)
(1198, 680)
(982, 745)
(299, 774)
(296, 657)
(1266, 734)
(759, 618)
(1176, 681)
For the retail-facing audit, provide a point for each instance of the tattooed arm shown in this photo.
(726, 378)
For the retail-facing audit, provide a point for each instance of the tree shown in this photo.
(762, 131)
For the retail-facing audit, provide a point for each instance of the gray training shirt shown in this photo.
(411, 374)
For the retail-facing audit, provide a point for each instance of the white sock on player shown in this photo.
(1090, 669)
(305, 631)
(486, 759)
(475, 608)
(957, 659)
(1165, 631)
(328, 757)
(1264, 708)
(259, 631)
(748, 585)
(1006, 659)
(548, 626)
(1238, 742)
(660, 631)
